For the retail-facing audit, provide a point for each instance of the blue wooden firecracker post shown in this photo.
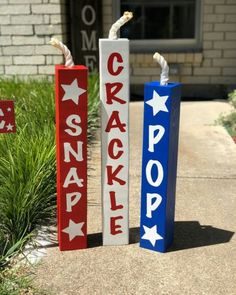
(159, 164)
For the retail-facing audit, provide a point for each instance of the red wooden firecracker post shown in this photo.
(7, 117)
(71, 140)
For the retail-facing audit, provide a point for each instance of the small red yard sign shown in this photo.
(7, 117)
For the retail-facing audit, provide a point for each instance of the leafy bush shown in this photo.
(232, 98)
(27, 161)
(229, 121)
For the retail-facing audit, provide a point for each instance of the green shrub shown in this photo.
(229, 121)
(27, 161)
(232, 98)
(93, 105)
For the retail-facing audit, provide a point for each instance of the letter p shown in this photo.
(155, 139)
(71, 200)
(153, 202)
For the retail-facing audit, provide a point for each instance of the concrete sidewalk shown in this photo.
(203, 257)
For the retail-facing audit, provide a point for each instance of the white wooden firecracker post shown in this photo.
(114, 95)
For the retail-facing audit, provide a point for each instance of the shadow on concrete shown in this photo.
(95, 240)
(188, 234)
(134, 235)
(191, 234)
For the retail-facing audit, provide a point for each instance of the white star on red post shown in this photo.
(151, 235)
(158, 103)
(74, 229)
(9, 127)
(72, 91)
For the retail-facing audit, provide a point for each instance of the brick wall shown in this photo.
(26, 27)
(107, 16)
(215, 64)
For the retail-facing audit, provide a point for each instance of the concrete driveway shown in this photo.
(202, 259)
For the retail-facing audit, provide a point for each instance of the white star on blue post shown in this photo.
(158, 103)
(151, 234)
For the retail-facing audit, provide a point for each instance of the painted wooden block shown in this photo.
(159, 164)
(7, 117)
(71, 141)
(114, 94)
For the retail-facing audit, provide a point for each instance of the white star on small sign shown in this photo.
(9, 127)
(74, 229)
(151, 235)
(8, 109)
(72, 91)
(158, 103)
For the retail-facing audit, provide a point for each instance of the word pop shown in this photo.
(159, 164)
(71, 137)
(114, 93)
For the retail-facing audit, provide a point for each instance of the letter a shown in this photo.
(115, 117)
(72, 177)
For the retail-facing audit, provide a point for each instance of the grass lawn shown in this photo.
(18, 281)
